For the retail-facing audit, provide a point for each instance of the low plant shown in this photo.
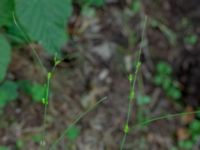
(136, 6)
(6, 88)
(191, 39)
(194, 135)
(43, 22)
(163, 78)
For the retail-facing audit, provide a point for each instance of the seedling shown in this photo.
(73, 133)
(37, 138)
(143, 100)
(163, 78)
(6, 88)
(191, 39)
(194, 131)
(35, 90)
(19, 144)
(136, 6)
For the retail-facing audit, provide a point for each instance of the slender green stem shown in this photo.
(54, 145)
(167, 116)
(132, 79)
(45, 101)
(27, 39)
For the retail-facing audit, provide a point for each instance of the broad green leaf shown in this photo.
(16, 35)
(8, 92)
(6, 9)
(73, 133)
(5, 53)
(45, 21)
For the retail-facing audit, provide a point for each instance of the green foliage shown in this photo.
(143, 100)
(194, 131)
(73, 133)
(19, 144)
(35, 90)
(15, 35)
(6, 9)
(8, 92)
(45, 21)
(194, 128)
(164, 68)
(88, 11)
(191, 39)
(42, 21)
(97, 3)
(37, 138)
(136, 6)
(163, 78)
(4, 148)
(186, 144)
(5, 53)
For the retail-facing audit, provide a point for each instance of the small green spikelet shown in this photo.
(49, 75)
(45, 101)
(130, 77)
(126, 128)
(57, 62)
(132, 95)
(138, 65)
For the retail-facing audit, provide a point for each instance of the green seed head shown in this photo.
(132, 95)
(49, 75)
(138, 64)
(126, 128)
(45, 101)
(130, 77)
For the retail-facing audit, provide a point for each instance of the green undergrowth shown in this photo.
(45, 23)
(164, 79)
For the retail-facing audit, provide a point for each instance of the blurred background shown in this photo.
(104, 37)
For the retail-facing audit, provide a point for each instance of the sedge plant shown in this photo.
(45, 99)
(132, 80)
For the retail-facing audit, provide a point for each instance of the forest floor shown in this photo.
(101, 54)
